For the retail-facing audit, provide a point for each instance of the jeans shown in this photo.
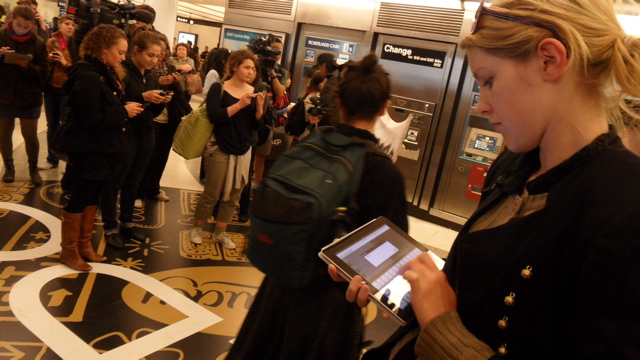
(55, 109)
(126, 182)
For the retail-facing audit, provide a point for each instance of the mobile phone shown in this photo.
(168, 92)
(55, 53)
(145, 105)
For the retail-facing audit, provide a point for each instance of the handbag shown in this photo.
(57, 143)
(193, 83)
(193, 133)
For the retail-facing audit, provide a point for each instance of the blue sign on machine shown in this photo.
(342, 47)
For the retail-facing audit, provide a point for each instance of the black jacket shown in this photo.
(23, 87)
(135, 85)
(583, 249)
(100, 120)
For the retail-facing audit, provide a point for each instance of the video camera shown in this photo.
(261, 47)
(91, 13)
(316, 109)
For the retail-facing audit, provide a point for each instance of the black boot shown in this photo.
(33, 172)
(9, 171)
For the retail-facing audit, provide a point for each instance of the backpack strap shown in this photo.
(345, 216)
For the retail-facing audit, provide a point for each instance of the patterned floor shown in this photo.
(162, 298)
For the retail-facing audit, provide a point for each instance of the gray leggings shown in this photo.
(216, 163)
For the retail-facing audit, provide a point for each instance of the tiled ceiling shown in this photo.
(210, 10)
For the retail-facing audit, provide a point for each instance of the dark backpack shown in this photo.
(296, 122)
(292, 207)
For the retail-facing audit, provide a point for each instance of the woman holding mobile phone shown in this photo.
(97, 138)
(165, 126)
(24, 68)
(141, 86)
(55, 98)
(235, 112)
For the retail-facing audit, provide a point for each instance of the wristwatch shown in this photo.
(272, 77)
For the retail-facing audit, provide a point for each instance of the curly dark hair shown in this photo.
(100, 38)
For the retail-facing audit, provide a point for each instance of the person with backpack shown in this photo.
(312, 319)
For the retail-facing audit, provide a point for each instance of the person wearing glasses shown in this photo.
(547, 267)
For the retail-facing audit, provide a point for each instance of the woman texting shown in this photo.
(141, 87)
(55, 98)
(547, 267)
(24, 68)
(164, 127)
(97, 137)
(235, 111)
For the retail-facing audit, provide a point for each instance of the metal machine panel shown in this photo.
(313, 40)
(419, 70)
(473, 147)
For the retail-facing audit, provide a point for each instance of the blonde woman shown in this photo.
(547, 267)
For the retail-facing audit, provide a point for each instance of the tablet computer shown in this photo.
(377, 251)
(14, 58)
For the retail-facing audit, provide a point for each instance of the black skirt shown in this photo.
(314, 323)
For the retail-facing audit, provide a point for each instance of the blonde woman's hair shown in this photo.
(605, 59)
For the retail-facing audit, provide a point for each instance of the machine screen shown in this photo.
(485, 143)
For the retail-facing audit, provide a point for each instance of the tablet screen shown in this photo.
(377, 252)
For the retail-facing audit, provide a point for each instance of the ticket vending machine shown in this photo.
(419, 71)
(313, 40)
(467, 160)
(480, 147)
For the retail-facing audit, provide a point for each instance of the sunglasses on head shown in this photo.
(483, 10)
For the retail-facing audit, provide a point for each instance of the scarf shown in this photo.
(16, 37)
(62, 42)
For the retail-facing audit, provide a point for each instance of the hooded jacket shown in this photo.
(23, 87)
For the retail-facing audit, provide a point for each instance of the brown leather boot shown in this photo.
(85, 247)
(70, 233)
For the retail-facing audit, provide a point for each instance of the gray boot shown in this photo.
(33, 172)
(9, 171)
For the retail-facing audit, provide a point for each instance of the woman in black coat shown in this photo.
(97, 137)
(547, 267)
(141, 86)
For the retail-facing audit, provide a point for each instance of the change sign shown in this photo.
(413, 55)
